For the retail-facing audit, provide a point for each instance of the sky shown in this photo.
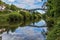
(27, 4)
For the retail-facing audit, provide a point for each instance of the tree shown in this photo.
(14, 8)
(54, 12)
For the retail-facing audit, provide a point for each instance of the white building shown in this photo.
(2, 7)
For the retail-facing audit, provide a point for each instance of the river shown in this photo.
(29, 31)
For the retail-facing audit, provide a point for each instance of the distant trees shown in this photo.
(1, 2)
(14, 8)
(17, 14)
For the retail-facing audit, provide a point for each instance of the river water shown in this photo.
(32, 31)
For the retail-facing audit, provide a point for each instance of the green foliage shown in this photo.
(5, 12)
(55, 33)
(3, 18)
(53, 10)
(19, 16)
(36, 15)
(14, 14)
(7, 7)
(13, 8)
(54, 16)
(1, 3)
(15, 17)
(25, 14)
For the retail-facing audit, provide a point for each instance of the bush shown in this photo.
(26, 14)
(55, 33)
(5, 12)
(15, 17)
(3, 18)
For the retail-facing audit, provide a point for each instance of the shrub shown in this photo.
(15, 17)
(3, 18)
(26, 14)
(55, 33)
(5, 12)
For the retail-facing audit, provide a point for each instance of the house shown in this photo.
(2, 7)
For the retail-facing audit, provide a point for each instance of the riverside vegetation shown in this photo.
(52, 17)
(13, 14)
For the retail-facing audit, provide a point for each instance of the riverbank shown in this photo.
(19, 16)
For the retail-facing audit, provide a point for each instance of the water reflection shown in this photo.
(40, 23)
(24, 31)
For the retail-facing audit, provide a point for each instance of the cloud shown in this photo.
(21, 5)
(25, 3)
(38, 0)
(29, 3)
(11, 0)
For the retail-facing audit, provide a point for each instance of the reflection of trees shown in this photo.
(12, 26)
(26, 22)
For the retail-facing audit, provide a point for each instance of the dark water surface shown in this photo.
(31, 31)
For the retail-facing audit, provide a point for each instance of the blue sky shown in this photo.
(27, 4)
